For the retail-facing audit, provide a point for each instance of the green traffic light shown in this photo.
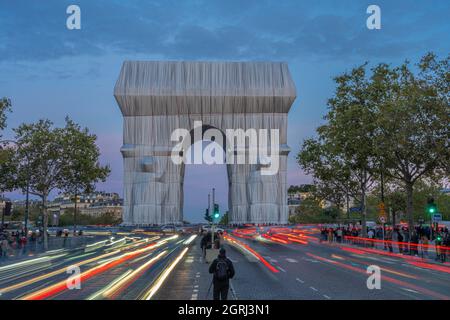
(431, 210)
(216, 215)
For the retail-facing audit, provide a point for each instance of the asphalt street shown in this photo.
(171, 267)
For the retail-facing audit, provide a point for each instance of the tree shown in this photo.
(43, 146)
(310, 211)
(8, 169)
(224, 219)
(7, 166)
(301, 188)
(81, 168)
(5, 106)
(413, 110)
(343, 157)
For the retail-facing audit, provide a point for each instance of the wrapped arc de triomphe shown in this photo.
(158, 97)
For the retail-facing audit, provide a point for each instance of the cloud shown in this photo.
(35, 31)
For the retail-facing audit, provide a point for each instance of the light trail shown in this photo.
(405, 244)
(119, 286)
(99, 293)
(251, 251)
(52, 274)
(402, 274)
(61, 286)
(190, 239)
(63, 270)
(430, 266)
(155, 287)
(30, 262)
(383, 277)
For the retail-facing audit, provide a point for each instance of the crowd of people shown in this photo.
(422, 237)
(16, 241)
(19, 242)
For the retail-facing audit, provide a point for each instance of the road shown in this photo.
(140, 266)
(128, 267)
(312, 271)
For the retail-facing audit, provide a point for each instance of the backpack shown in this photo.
(221, 273)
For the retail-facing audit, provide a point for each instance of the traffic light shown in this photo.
(216, 211)
(207, 216)
(431, 206)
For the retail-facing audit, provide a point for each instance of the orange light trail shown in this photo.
(257, 255)
(61, 286)
(389, 279)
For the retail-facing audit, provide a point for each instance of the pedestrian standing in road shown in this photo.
(323, 234)
(339, 233)
(414, 243)
(204, 243)
(438, 244)
(5, 247)
(388, 238)
(330, 235)
(371, 236)
(399, 240)
(222, 270)
(406, 239)
(425, 244)
(446, 244)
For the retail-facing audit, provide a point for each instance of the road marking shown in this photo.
(326, 297)
(270, 259)
(301, 281)
(410, 290)
(291, 260)
(310, 260)
(233, 292)
(232, 260)
(281, 269)
(312, 288)
(194, 297)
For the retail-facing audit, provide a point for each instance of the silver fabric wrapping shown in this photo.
(157, 97)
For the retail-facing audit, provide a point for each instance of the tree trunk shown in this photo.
(75, 217)
(45, 224)
(348, 205)
(364, 214)
(409, 204)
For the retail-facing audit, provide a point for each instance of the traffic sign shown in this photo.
(437, 217)
(383, 219)
(355, 209)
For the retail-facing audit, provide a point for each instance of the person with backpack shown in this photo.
(222, 270)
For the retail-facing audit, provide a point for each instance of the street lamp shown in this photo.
(27, 208)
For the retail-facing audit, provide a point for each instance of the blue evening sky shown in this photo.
(49, 71)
